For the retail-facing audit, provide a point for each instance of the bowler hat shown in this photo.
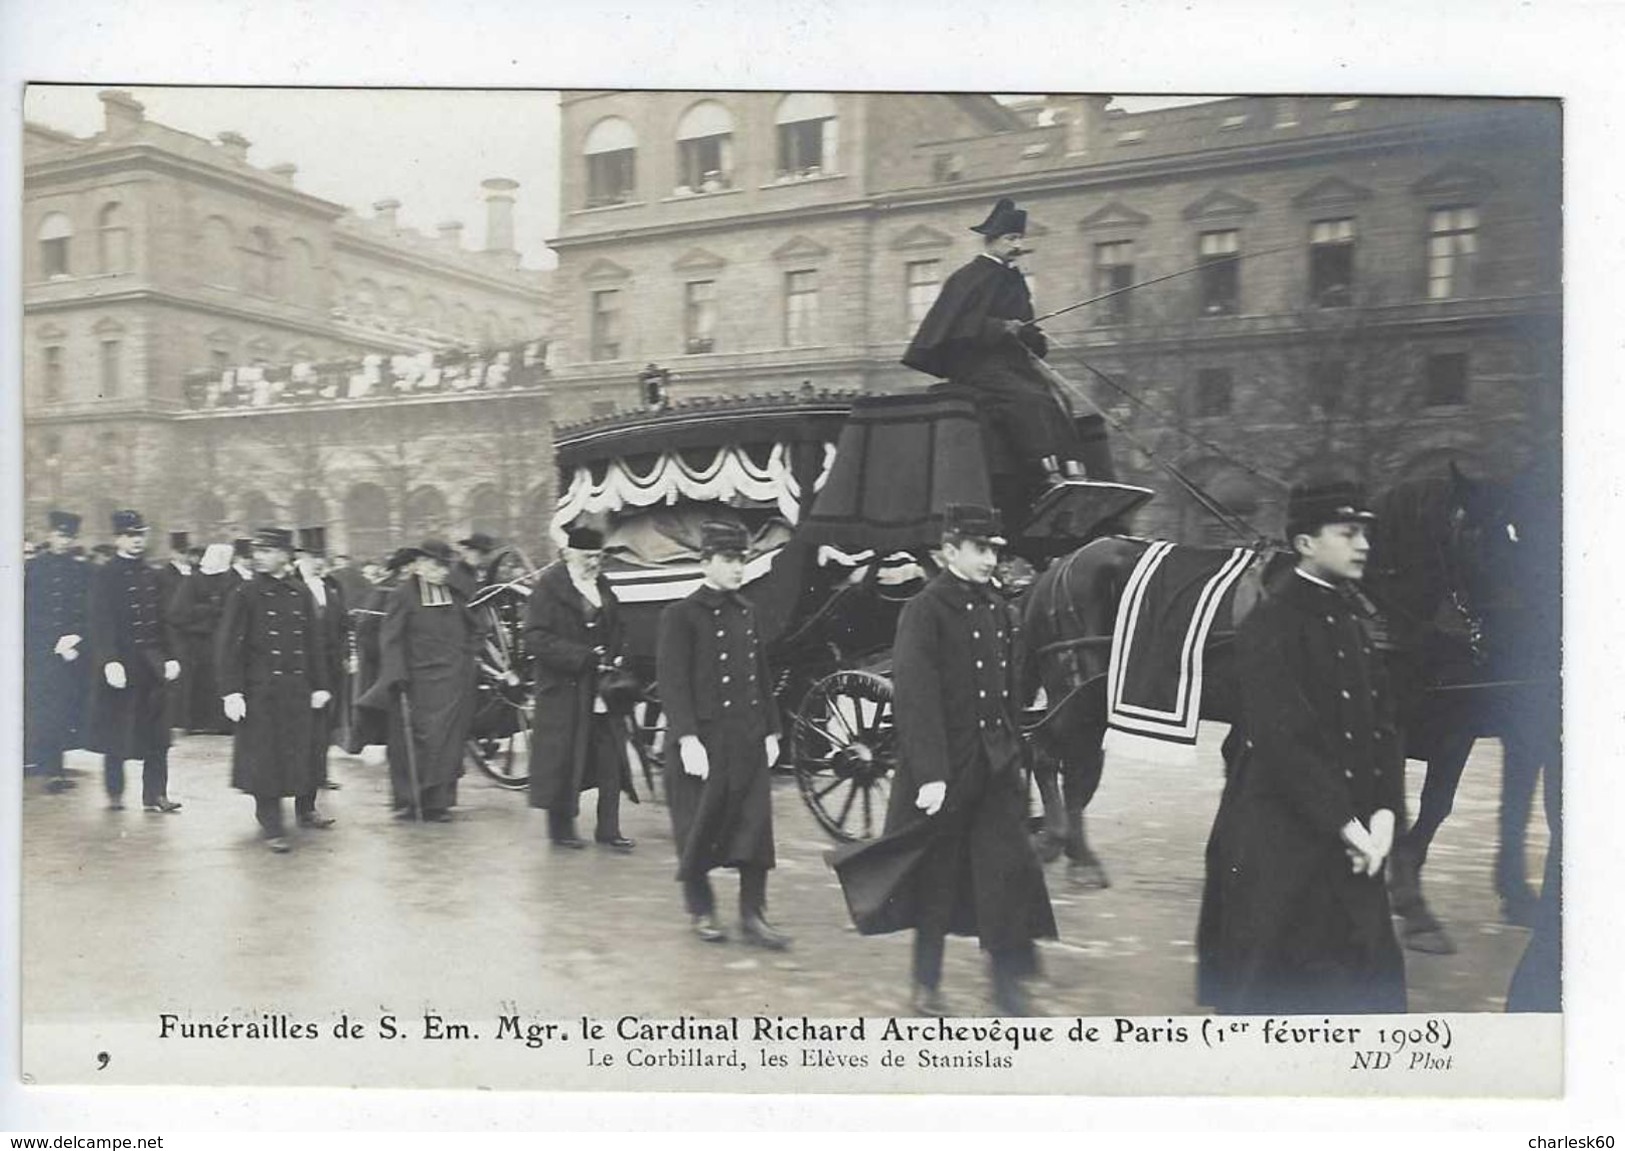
(274, 538)
(972, 521)
(435, 550)
(1005, 219)
(313, 541)
(128, 521)
(65, 522)
(399, 558)
(1311, 504)
(722, 537)
(479, 541)
(584, 539)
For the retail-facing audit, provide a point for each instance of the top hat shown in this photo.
(179, 540)
(128, 521)
(313, 541)
(584, 539)
(972, 521)
(435, 550)
(1314, 503)
(399, 558)
(720, 536)
(274, 538)
(65, 522)
(1005, 219)
(242, 548)
(479, 541)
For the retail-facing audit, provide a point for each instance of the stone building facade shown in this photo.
(1395, 302)
(150, 254)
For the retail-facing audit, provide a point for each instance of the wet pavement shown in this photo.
(126, 914)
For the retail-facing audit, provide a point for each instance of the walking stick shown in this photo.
(411, 755)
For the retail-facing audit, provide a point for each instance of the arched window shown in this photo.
(366, 522)
(487, 512)
(258, 511)
(110, 358)
(366, 298)
(112, 239)
(55, 236)
(400, 303)
(220, 253)
(426, 514)
(260, 273)
(612, 153)
(807, 135)
(705, 160)
(434, 314)
(301, 268)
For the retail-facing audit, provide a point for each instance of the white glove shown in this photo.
(67, 647)
(352, 665)
(930, 796)
(172, 669)
(114, 674)
(1362, 849)
(772, 745)
(318, 699)
(1382, 836)
(236, 706)
(695, 761)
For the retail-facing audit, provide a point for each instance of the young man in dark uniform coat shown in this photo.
(1295, 916)
(273, 676)
(195, 613)
(54, 589)
(133, 657)
(723, 724)
(979, 334)
(332, 616)
(956, 856)
(171, 575)
(573, 635)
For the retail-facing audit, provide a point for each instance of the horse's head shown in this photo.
(1509, 555)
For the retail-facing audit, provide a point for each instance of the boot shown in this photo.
(760, 932)
(928, 1003)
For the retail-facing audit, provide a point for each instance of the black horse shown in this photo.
(1441, 578)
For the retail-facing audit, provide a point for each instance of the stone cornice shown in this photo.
(373, 248)
(309, 325)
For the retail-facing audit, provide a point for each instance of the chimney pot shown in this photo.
(384, 212)
(285, 172)
(122, 113)
(499, 192)
(451, 233)
(235, 145)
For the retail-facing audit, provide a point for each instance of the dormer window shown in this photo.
(705, 160)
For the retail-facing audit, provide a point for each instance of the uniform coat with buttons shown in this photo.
(125, 624)
(270, 649)
(54, 588)
(195, 613)
(561, 632)
(969, 869)
(1286, 925)
(333, 620)
(170, 581)
(715, 684)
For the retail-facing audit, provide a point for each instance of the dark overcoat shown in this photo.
(715, 684)
(1286, 926)
(125, 624)
(195, 613)
(54, 590)
(333, 621)
(269, 648)
(971, 868)
(426, 655)
(561, 632)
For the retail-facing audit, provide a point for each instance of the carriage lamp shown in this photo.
(654, 380)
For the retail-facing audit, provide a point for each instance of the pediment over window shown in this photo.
(1219, 205)
(920, 237)
(108, 327)
(800, 248)
(222, 338)
(1467, 181)
(50, 334)
(602, 271)
(698, 260)
(1333, 190)
(1114, 215)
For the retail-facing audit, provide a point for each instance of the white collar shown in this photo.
(1315, 579)
(995, 259)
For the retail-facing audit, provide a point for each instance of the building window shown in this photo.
(1218, 282)
(55, 233)
(1331, 263)
(924, 280)
(1114, 271)
(946, 167)
(1445, 385)
(807, 135)
(112, 368)
(219, 360)
(53, 373)
(700, 316)
(1214, 390)
(258, 257)
(606, 324)
(1327, 380)
(1452, 252)
(112, 240)
(612, 155)
(801, 308)
(219, 253)
(705, 146)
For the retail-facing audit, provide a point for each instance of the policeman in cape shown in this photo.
(955, 856)
(722, 720)
(54, 588)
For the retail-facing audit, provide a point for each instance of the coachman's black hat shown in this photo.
(400, 558)
(128, 521)
(179, 540)
(584, 539)
(313, 541)
(972, 521)
(274, 538)
(242, 548)
(1314, 503)
(479, 541)
(435, 550)
(65, 522)
(1005, 219)
(718, 537)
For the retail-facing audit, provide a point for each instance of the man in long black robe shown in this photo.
(979, 335)
(426, 681)
(54, 588)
